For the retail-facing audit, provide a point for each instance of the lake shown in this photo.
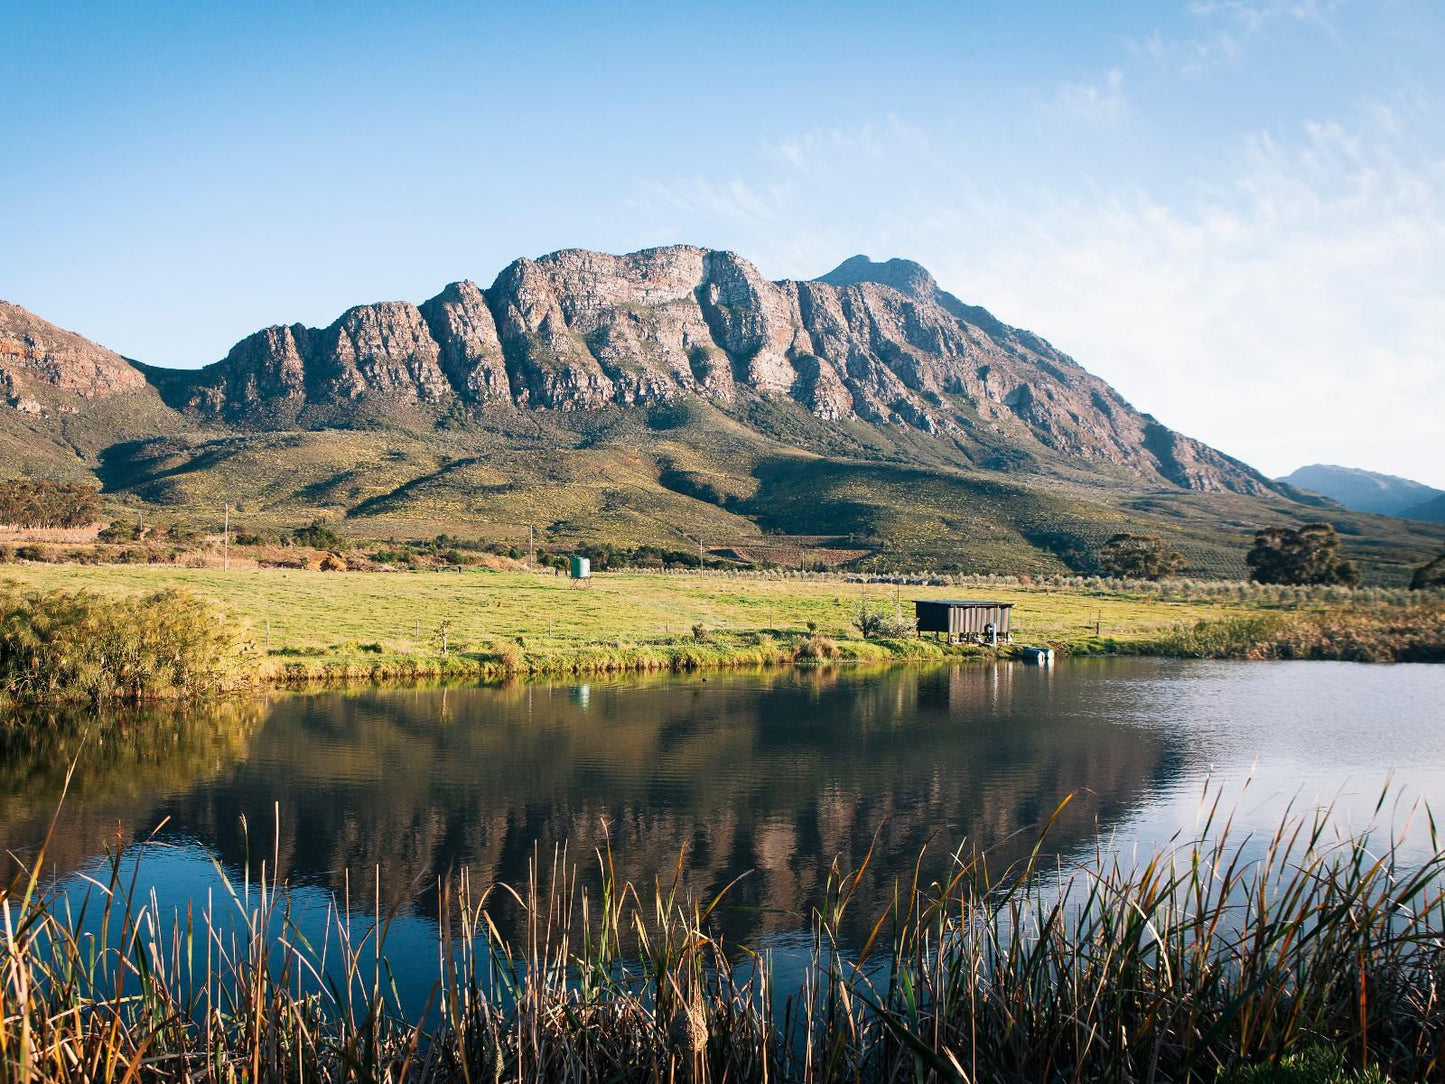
(769, 777)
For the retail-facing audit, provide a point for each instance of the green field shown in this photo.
(303, 624)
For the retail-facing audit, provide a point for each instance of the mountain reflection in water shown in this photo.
(772, 775)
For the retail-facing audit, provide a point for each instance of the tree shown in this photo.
(25, 503)
(318, 535)
(1430, 574)
(1309, 555)
(1138, 557)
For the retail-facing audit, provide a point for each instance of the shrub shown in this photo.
(873, 620)
(1430, 574)
(30, 553)
(7, 553)
(510, 655)
(120, 532)
(816, 647)
(83, 646)
(318, 535)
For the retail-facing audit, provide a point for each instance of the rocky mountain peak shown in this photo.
(576, 330)
(905, 276)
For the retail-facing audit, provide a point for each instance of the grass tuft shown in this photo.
(1304, 956)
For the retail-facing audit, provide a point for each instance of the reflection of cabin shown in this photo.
(963, 620)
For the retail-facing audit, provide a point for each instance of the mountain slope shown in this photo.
(669, 397)
(1362, 490)
(1431, 511)
(64, 399)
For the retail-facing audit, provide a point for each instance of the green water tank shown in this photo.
(581, 568)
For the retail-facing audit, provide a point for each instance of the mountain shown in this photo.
(582, 330)
(667, 397)
(1431, 511)
(1362, 490)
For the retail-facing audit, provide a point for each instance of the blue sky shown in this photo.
(1234, 211)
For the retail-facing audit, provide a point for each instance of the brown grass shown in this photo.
(1191, 965)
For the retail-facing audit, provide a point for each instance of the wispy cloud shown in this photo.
(1098, 102)
(1224, 29)
(1285, 310)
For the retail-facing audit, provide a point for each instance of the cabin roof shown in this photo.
(957, 602)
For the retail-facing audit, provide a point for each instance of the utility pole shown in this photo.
(701, 558)
(226, 541)
(531, 545)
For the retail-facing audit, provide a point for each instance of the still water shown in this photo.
(765, 776)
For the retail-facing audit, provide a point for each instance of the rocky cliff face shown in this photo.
(579, 330)
(45, 369)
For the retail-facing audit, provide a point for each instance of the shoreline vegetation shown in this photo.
(1311, 955)
(84, 633)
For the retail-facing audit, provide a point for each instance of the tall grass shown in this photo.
(1380, 634)
(78, 645)
(1199, 963)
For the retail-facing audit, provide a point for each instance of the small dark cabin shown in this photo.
(963, 620)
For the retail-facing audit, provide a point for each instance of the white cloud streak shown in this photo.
(1092, 103)
(1225, 28)
(1288, 311)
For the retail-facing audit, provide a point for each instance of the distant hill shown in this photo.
(1363, 490)
(672, 397)
(1431, 511)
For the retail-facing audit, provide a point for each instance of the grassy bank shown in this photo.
(1252, 960)
(294, 626)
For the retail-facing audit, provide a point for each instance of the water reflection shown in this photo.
(773, 775)
(124, 761)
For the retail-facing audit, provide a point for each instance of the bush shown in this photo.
(7, 553)
(120, 532)
(318, 535)
(816, 647)
(1316, 1065)
(30, 553)
(83, 646)
(510, 655)
(1430, 574)
(873, 620)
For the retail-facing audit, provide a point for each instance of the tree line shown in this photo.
(25, 503)
(1280, 555)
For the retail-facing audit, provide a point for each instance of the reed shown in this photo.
(1365, 634)
(1229, 959)
(79, 645)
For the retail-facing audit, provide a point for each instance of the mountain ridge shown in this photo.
(1363, 490)
(669, 398)
(581, 330)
